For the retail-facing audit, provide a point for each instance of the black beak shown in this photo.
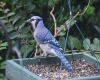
(27, 22)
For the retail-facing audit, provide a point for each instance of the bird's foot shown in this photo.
(44, 55)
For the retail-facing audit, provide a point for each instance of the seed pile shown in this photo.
(57, 72)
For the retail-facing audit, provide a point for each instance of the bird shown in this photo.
(47, 41)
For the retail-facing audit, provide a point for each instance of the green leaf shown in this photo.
(2, 76)
(90, 10)
(69, 23)
(62, 33)
(10, 14)
(21, 26)
(93, 47)
(75, 43)
(15, 20)
(14, 2)
(71, 43)
(96, 44)
(2, 65)
(3, 44)
(1, 10)
(23, 35)
(26, 49)
(62, 42)
(2, 48)
(9, 29)
(96, 41)
(53, 2)
(86, 43)
(4, 21)
(0, 58)
(6, 10)
(30, 6)
(18, 35)
(13, 35)
(3, 17)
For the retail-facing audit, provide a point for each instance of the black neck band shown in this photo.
(37, 21)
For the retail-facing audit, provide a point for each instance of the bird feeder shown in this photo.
(17, 69)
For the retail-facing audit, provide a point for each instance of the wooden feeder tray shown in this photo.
(16, 69)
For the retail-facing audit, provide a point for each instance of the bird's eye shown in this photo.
(32, 20)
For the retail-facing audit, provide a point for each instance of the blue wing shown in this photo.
(44, 36)
(53, 42)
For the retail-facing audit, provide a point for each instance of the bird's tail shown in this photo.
(64, 60)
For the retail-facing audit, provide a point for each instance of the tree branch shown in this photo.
(54, 19)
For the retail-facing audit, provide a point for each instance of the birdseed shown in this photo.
(82, 68)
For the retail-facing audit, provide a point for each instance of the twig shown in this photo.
(54, 19)
(97, 28)
(36, 47)
(36, 50)
(77, 14)
(85, 9)
(9, 41)
(88, 51)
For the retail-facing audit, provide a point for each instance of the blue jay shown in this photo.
(46, 41)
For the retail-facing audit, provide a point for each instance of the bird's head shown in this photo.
(34, 20)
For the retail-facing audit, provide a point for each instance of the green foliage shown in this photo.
(90, 10)
(25, 49)
(74, 43)
(86, 44)
(95, 45)
(52, 3)
(3, 45)
(2, 65)
(2, 77)
(62, 40)
(15, 26)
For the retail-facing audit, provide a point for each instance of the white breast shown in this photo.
(45, 47)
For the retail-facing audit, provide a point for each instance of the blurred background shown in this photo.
(13, 13)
